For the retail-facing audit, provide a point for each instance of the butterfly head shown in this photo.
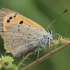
(49, 34)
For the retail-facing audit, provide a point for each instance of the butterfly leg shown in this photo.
(38, 53)
(49, 44)
(56, 35)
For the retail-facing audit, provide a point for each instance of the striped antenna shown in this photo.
(56, 19)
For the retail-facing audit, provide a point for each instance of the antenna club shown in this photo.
(65, 11)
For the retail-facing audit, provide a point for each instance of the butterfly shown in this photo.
(20, 34)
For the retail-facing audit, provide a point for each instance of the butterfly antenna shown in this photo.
(56, 19)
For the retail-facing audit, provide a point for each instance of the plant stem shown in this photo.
(45, 57)
(20, 63)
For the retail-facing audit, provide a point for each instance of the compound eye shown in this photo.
(50, 31)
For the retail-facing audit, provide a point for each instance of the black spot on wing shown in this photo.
(21, 22)
(10, 17)
(29, 26)
(15, 15)
(8, 21)
(18, 30)
(35, 33)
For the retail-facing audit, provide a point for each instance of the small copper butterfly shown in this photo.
(22, 35)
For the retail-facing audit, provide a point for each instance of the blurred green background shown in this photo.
(44, 12)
